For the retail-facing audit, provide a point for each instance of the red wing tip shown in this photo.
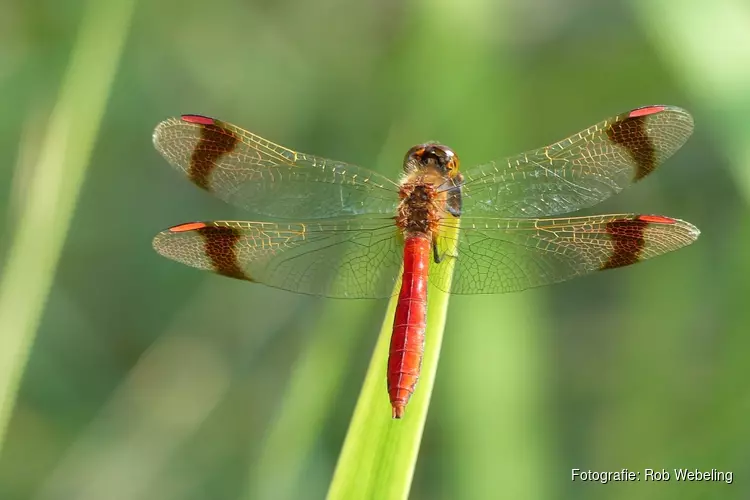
(656, 219)
(189, 226)
(200, 119)
(646, 110)
(398, 411)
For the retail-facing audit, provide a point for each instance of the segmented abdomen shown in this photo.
(407, 340)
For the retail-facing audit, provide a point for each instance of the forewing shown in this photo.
(507, 255)
(357, 258)
(250, 172)
(579, 171)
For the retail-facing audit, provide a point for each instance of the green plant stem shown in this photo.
(379, 453)
(705, 59)
(48, 204)
(310, 395)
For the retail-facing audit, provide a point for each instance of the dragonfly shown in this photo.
(334, 229)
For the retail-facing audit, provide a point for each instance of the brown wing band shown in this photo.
(220, 244)
(627, 236)
(214, 143)
(632, 134)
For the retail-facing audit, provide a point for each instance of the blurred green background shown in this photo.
(150, 380)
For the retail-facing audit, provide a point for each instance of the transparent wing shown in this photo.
(579, 171)
(506, 255)
(250, 172)
(345, 258)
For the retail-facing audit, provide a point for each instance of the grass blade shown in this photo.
(705, 59)
(47, 207)
(309, 398)
(380, 454)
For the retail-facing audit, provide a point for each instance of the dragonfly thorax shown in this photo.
(420, 207)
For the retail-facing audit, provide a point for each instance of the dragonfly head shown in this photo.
(432, 155)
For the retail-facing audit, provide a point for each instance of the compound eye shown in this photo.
(415, 153)
(451, 161)
(452, 165)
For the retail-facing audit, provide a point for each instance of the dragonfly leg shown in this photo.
(436, 255)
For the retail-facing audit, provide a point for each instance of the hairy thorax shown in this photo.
(422, 204)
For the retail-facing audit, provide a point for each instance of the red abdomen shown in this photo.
(407, 341)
